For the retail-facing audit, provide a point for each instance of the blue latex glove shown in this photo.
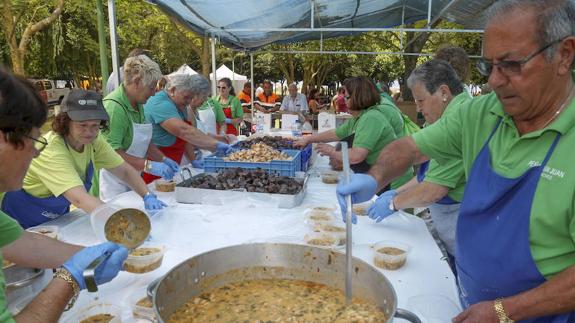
(106, 271)
(162, 170)
(362, 187)
(380, 209)
(224, 149)
(152, 203)
(229, 121)
(172, 163)
(198, 163)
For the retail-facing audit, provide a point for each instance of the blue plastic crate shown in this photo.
(306, 158)
(213, 164)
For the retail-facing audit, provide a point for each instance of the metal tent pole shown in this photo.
(253, 85)
(114, 38)
(214, 78)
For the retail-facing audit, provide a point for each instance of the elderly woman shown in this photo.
(62, 174)
(367, 132)
(167, 112)
(129, 133)
(438, 92)
(231, 106)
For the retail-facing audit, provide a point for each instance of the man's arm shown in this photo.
(189, 134)
(420, 195)
(49, 305)
(25, 252)
(555, 296)
(394, 160)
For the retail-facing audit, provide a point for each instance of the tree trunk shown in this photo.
(205, 56)
(18, 50)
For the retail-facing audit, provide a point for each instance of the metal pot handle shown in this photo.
(28, 281)
(151, 290)
(406, 315)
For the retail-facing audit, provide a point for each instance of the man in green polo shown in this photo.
(515, 237)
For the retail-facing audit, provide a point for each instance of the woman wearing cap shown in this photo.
(62, 174)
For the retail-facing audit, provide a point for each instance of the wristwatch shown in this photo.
(501, 315)
(392, 206)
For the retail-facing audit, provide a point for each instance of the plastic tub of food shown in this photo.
(321, 239)
(315, 219)
(129, 227)
(144, 259)
(163, 185)
(336, 230)
(46, 230)
(324, 208)
(141, 305)
(361, 208)
(99, 313)
(330, 177)
(390, 254)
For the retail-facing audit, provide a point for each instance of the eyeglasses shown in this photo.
(40, 143)
(507, 67)
(347, 97)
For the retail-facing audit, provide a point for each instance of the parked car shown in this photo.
(53, 91)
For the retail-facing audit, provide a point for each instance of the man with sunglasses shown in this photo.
(515, 240)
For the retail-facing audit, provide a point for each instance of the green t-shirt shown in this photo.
(158, 109)
(234, 103)
(122, 115)
(449, 174)
(463, 134)
(10, 231)
(213, 104)
(59, 168)
(393, 115)
(373, 132)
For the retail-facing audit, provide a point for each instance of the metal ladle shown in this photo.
(348, 224)
(137, 231)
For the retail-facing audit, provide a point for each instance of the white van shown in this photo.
(53, 91)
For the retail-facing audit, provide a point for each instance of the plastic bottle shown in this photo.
(296, 129)
(260, 124)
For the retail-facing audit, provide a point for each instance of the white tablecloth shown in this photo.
(186, 230)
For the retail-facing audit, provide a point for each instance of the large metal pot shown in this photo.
(22, 283)
(216, 268)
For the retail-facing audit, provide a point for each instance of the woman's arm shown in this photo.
(81, 199)
(189, 134)
(154, 153)
(326, 136)
(356, 155)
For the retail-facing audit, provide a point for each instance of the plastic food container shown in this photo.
(317, 218)
(141, 305)
(361, 208)
(47, 230)
(144, 259)
(164, 186)
(324, 208)
(321, 239)
(129, 227)
(336, 230)
(99, 313)
(390, 254)
(329, 177)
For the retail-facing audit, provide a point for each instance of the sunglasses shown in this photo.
(510, 67)
(222, 87)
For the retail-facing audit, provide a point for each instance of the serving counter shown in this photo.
(425, 285)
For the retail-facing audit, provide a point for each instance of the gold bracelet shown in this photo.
(65, 275)
(501, 315)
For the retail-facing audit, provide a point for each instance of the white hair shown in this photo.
(196, 83)
(141, 67)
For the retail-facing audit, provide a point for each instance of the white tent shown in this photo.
(184, 69)
(238, 80)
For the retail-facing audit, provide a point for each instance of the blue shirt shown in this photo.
(158, 109)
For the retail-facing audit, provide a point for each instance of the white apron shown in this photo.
(201, 127)
(110, 185)
(208, 118)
